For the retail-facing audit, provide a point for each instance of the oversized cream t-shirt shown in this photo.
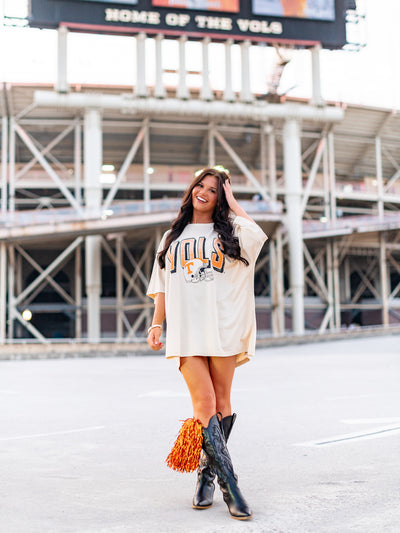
(209, 297)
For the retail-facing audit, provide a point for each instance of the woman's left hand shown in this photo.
(233, 203)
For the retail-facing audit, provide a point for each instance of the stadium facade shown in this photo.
(91, 177)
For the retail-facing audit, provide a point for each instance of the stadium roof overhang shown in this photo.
(354, 144)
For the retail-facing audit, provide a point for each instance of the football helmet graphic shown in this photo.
(196, 270)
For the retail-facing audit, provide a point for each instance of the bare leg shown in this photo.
(222, 370)
(196, 373)
(209, 381)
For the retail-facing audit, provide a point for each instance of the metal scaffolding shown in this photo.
(77, 252)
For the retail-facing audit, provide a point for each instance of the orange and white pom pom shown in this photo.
(185, 453)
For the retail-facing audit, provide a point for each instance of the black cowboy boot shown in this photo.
(220, 462)
(203, 496)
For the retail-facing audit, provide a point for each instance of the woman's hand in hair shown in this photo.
(229, 195)
(232, 202)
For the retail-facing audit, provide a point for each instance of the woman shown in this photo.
(203, 283)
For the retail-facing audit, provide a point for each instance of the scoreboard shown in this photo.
(296, 22)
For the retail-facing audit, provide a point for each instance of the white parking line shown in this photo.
(393, 420)
(376, 433)
(54, 433)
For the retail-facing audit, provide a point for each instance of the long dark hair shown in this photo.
(222, 222)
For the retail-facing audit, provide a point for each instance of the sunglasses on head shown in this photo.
(220, 168)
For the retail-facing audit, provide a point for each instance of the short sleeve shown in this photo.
(157, 279)
(251, 237)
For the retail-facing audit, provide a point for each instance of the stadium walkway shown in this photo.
(316, 444)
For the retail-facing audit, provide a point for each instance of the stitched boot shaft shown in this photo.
(220, 461)
(203, 496)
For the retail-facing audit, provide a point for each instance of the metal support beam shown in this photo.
(239, 163)
(28, 142)
(313, 172)
(293, 194)
(62, 63)
(125, 165)
(141, 88)
(25, 169)
(46, 272)
(64, 295)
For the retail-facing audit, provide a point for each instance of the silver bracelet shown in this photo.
(154, 326)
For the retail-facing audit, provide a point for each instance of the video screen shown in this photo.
(131, 2)
(308, 9)
(229, 6)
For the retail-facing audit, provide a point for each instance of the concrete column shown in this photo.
(245, 93)
(11, 290)
(330, 287)
(316, 98)
(78, 162)
(336, 284)
(229, 95)
(93, 155)
(159, 89)
(182, 91)
(141, 88)
(206, 92)
(62, 48)
(11, 169)
(78, 293)
(3, 291)
(146, 166)
(263, 157)
(119, 287)
(293, 195)
(272, 163)
(332, 177)
(4, 164)
(384, 279)
(379, 176)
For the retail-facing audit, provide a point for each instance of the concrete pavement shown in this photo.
(316, 444)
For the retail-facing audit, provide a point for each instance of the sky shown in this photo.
(369, 76)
